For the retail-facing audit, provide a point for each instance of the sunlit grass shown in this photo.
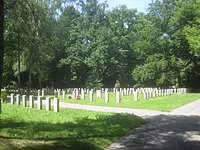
(164, 103)
(26, 128)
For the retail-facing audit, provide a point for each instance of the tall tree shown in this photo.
(1, 45)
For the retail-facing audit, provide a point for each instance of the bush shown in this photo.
(4, 95)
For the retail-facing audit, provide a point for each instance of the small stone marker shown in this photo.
(145, 95)
(91, 96)
(39, 102)
(48, 104)
(42, 93)
(63, 94)
(24, 100)
(76, 94)
(17, 99)
(82, 94)
(73, 94)
(58, 92)
(12, 99)
(106, 96)
(136, 95)
(99, 94)
(118, 97)
(56, 105)
(31, 101)
(38, 92)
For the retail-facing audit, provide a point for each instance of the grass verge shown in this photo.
(25, 128)
(164, 103)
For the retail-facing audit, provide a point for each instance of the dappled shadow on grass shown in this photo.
(164, 133)
(82, 133)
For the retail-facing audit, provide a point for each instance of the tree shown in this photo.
(1, 45)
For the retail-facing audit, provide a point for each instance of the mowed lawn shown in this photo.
(69, 129)
(164, 103)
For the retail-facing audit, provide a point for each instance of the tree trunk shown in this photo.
(19, 62)
(30, 71)
(1, 45)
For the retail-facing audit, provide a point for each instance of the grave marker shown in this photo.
(48, 104)
(56, 105)
(31, 101)
(39, 102)
(91, 96)
(17, 99)
(136, 95)
(24, 100)
(12, 99)
(118, 97)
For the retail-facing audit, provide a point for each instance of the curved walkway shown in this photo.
(176, 130)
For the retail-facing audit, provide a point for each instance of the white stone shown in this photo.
(39, 102)
(73, 94)
(145, 95)
(48, 103)
(136, 95)
(118, 97)
(91, 96)
(63, 94)
(42, 93)
(76, 94)
(31, 101)
(24, 100)
(82, 94)
(56, 105)
(17, 99)
(12, 99)
(38, 92)
(106, 96)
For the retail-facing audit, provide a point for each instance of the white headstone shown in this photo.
(99, 94)
(39, 102)
(145, 95)
(48, 103)
(76, 94)
(56, 105)
(118, 97)
(17, 99)
(12, 99)
(58, 92)
(136, 95)
(63, 94)
(91, 96)
(38, 92)
(73, 94)
(106, 96)
(42, 92)
(24, 100)
(31, 101)
(82, 94)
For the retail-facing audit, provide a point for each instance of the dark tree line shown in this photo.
(81, 43)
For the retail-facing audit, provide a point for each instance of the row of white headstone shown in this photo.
(24, 98)
(147, 92)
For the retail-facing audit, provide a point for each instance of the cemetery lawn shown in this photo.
(25, 128)
(164, 103)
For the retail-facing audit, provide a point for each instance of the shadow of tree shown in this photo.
(83, 133)
(164, 133)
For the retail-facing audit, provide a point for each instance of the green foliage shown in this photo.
(82, 43)
(3, 95)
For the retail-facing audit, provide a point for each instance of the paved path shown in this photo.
(176, 130)
(138, 112)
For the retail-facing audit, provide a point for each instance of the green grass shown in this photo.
(28, 129)
(164, 103)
